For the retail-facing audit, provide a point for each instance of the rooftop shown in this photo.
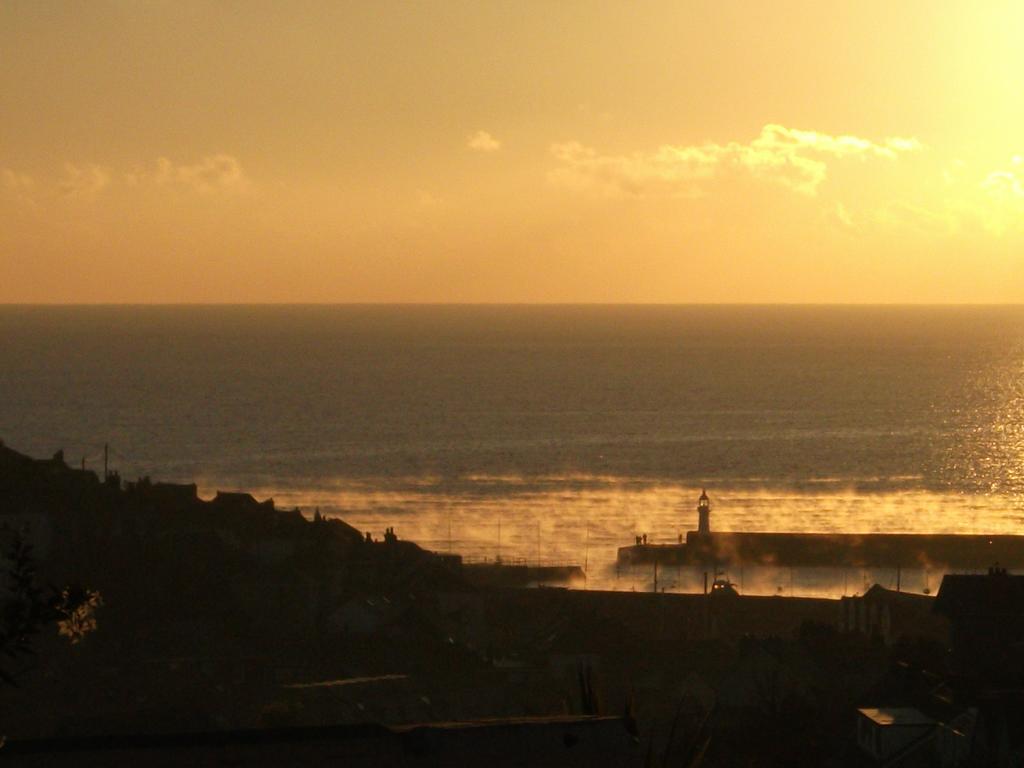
(896, 716)
(996, 592)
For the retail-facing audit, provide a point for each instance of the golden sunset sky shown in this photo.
(322, 151)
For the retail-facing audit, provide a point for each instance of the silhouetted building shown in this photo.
(890, 615)
(241, 501)
(986, 615)
(890, 732)
(175, 493)
(998, 733)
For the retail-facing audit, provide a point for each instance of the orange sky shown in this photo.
(744, 151)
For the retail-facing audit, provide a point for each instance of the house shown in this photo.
(977, 714)
(178, 495)
(887, 732)
(769, 677)
(237, 501)
(986, 616)
(890, 615)
(952, 746)
(998, 735)
(365, 616)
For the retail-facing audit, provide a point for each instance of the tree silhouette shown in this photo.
(28, 608)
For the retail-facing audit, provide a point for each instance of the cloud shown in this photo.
(13, 181)
(669, 169)
(18, 187)
(1002, 205)
(482, 141)
(793, 158)
(84, 182)
(427, 199)
(992, 203)
(213, 173)
(949, 218)
(219, 173)
(1003, 186)
(843, 216)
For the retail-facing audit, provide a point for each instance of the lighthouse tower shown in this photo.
(703, 514)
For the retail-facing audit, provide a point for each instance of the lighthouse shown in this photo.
(703, 514)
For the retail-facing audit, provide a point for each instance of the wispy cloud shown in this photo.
(1003, 186)
(218, 173)
(221, 172)
(841, 214)
(943, 220)
(427, 199)
(1002, 201)
(84, 181)
(17, 186)
(990, 202)
(793, 158)
(13, 181)
(482, 141)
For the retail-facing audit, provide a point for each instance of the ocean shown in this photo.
(547, 433)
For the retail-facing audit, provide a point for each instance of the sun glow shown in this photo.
(853, 152)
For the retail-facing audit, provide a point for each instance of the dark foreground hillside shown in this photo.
(233, 632)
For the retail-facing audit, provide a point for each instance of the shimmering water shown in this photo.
(569, 429)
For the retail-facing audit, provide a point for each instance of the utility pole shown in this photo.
(106, 458)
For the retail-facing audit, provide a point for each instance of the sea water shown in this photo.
(548, 433)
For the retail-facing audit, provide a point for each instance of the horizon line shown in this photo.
(199, 304)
